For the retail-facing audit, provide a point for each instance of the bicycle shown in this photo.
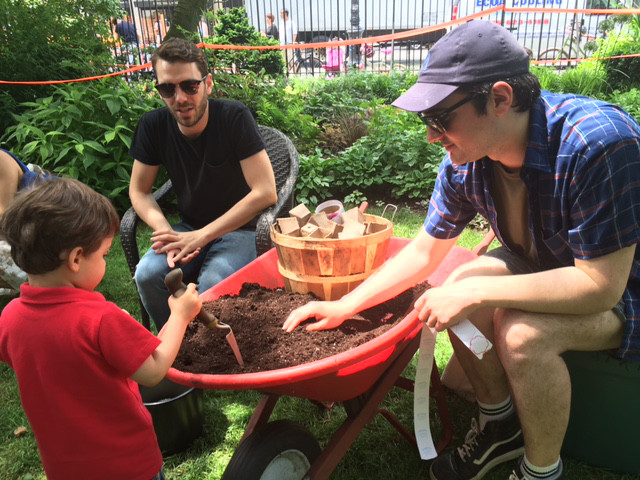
(577, 45)
(307, 65)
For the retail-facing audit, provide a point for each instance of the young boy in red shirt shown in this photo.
(76, 356)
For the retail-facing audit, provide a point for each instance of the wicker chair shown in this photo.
(285, 162)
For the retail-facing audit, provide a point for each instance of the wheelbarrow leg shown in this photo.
(340, 442)
(262, 413)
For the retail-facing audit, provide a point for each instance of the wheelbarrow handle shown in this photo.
(173, 281)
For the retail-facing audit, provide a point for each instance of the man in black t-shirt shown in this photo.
(220, 170)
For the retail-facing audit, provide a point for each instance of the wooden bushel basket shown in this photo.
(329, 267)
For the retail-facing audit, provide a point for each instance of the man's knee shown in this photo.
(515, 337)
(481, 266)
(150, 271)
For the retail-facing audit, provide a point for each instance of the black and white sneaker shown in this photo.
(499, 441)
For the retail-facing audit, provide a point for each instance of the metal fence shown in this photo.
(548, 35)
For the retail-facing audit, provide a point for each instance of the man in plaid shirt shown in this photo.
(558, 179)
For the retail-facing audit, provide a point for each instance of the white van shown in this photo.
(541, 32)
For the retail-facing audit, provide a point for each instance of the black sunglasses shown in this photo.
(189, 87)
(439, 122)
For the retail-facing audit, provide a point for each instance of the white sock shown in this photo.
(533, 472)
(498, 411)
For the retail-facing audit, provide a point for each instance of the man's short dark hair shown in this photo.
(47, 221)
(180, 50)
(526, 91)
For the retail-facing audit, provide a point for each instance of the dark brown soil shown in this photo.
(256, 316)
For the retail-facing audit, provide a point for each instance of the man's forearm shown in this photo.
(237, 216)
(149, 211)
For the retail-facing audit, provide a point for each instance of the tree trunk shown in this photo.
(186, 18)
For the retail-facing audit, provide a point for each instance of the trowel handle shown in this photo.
(173, 281)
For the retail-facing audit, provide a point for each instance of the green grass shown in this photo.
(378, 452)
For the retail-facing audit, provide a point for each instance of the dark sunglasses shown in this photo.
(189, 87)
(439, 122)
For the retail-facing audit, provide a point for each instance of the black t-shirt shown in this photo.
(205, 171)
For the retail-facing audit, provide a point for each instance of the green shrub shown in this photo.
(315, 178)
(52, 40)
(393, 160)
(588, 79)
(628, 101)
(350, 93)
(623, 38)
(84, 131)
(233, 28)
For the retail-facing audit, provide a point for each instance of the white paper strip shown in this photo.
(473, 338)
(421, 395)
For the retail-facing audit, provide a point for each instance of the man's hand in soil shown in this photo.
(329, 315)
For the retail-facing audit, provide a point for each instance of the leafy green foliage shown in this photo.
(588, 79)
(394, 160)
(233, 28)
(628, 101)
(84, 131)
(315, 178)
(622, 38)
(621, 72)
(52, 40)
(350, 92)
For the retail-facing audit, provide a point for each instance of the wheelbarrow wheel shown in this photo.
(281, 450)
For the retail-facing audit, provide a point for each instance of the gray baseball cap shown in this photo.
(477, 51)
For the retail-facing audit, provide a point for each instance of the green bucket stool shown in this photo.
(605, 411)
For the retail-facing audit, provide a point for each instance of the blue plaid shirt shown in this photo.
(582, 172)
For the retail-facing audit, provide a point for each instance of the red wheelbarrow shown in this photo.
(359, 378)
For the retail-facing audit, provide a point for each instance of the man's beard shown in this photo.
(198, 113)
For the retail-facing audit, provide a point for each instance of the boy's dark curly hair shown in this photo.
(45, 222)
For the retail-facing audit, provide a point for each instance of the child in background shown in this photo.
(76, 356)
(335, 59)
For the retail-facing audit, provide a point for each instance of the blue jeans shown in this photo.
(160, 475)
(216, 261)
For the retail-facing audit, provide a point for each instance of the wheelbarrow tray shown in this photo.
(336, 378)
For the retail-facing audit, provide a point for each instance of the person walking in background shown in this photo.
(287, 29)
(557, 176)
(271, 31)
(77, 357)
(127, 39)
(125, 31)
(288, 34)
(220, 170)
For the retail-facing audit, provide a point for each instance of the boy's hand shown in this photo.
(188, 305)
